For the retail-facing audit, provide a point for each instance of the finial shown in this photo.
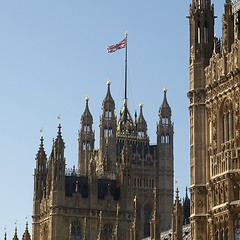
(186, 192)
(164, 89)
(41, 133)
(108, 82)
(126, 33)
(41, 137)
(59, 119)
(16, 228)
(86, 98)
(140, 104)
(125, 102)
(26, 223)
(176, 183)
(118, 207)
(5, 233)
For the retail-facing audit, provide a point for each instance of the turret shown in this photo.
(58, 168)
(15, 234)
(142, 126)
(126, 126)
(26, 235)
(201, 22)
(40, 172)
(40, 175)
(165, 126)
(49, 171)
(227, 27)
(186, 209)
(177, 213)
(85, 141)
(165, 162)
(108, 125)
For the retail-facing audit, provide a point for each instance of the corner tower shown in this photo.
(108, 125)
(201, 21)
(85, 140)
(165, 164)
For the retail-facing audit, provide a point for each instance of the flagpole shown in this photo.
(125, 82)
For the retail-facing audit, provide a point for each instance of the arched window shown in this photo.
(75, 231)
(86, 129)
(45, 232)
(199, 33)
(226, 234)
(237, 228)
(205, 33)
(167, 138)
(107, 232)
(108, 114)
(227, 121)
(147, 215)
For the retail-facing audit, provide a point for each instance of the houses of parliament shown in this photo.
(124, 190)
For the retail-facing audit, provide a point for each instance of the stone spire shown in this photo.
(165, 109)
(26, 235)
(108, 126)
(40, 172)
(141, 125)
(186, 209)
(5, 234)
(15, 234)
(227, 27)
(85, 140)
(177, 218)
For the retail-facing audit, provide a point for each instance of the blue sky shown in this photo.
(53, 54)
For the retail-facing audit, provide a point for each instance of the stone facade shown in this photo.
(123, 190)
(214, 122)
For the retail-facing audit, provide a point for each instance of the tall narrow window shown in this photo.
(108, 114)
(227, 122)
(223, 128)
(78, 233)
(167, 138)
(107, 232)
(232, 124)
(147, 214)
(86, 129)
(237, 229)
(73, 231)
(199, 33)
(162, 139)
(199, 4)
(205, 33)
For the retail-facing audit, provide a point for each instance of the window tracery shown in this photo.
(227, 121)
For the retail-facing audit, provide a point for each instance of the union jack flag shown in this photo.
(120, 45)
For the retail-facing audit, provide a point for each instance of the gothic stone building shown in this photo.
(123, 190)
(214, 122)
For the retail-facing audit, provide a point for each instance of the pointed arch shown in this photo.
(147, 215)
(75, 229)
(227, 125)
(107, 232)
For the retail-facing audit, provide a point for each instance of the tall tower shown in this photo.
(201, 22)
(108, 125)
(85, 141)
(165, 165)
(40, 175)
